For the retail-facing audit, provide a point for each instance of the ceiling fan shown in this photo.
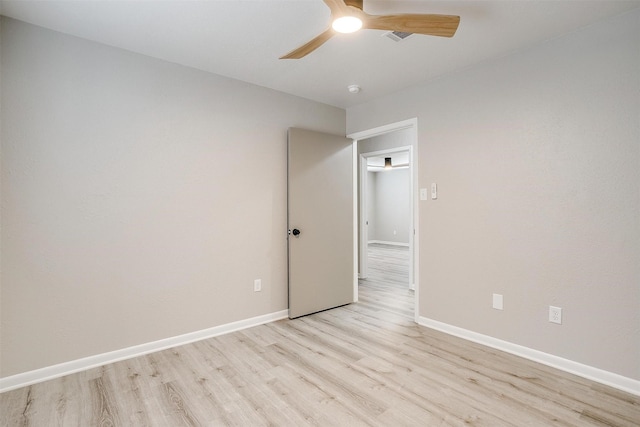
(347, 16)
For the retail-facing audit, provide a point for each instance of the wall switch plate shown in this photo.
(497, 302)
(424, 194)
(257, 285)
(555, 315)
(434, 191)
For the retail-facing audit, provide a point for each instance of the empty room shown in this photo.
(185, 236)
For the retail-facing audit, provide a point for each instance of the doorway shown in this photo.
(385, 203)
(390, 141)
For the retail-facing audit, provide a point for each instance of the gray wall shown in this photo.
(537, 160)
(395, 139)
(140, 199)
(391, 206)
(372, 193)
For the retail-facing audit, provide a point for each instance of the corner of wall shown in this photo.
(1, 20)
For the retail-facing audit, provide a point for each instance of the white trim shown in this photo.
(66, 368)
(381, 130)
(595, 374)
(382, 242)
(356, 244)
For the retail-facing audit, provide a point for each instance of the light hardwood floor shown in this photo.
(362, 364)
(386, 288)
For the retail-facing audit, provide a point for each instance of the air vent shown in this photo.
(397, 36)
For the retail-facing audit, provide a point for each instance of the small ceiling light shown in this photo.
(353, 88)
(387, 163)
(347, 24)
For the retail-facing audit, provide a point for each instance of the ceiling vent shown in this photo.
(397, 36)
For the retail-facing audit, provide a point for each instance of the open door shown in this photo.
(320, 221)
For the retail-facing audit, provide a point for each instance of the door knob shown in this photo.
(295, 232)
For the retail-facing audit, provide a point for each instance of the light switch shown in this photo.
(497, 301)
(434, 191)
(424, 194)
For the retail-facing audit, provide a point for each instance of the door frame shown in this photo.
(363, 262)
(414, 245)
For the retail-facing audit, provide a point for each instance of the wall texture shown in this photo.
(372, 229)
(537, 160)
(1, 108)
(396, 139)
(392, 206)
(139, 198)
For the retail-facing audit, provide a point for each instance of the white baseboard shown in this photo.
(66, 368)
(382, 242)
(599, 375)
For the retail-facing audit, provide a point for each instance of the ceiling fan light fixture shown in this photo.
(348, 16)
(347, 24)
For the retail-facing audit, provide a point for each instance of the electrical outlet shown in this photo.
(257, 285)
(555, 314)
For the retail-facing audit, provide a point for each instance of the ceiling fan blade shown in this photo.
(310, 46)
(431, 25)
(338, 7)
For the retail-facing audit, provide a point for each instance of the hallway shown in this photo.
(387, 284)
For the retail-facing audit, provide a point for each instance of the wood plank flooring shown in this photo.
(363, 364)
(386, 288)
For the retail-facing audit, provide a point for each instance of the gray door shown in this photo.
(320, 220)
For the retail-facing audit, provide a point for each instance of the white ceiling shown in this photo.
(244, 39)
